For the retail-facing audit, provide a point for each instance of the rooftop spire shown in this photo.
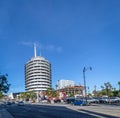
(34, 49)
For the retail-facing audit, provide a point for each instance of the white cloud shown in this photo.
(59, 49)
(42, 47)
(25, 43)
(53, 48)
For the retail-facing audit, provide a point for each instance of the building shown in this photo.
(75, 91)
(12, 96)
(37, 73)
(64, 83)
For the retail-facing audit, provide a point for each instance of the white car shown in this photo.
(44, 101)
(114, 99)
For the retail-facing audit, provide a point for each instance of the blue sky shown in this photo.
(71, 34)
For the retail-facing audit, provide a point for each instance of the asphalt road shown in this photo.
(52, 111)
(41, 111)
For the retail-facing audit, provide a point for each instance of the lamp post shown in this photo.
(84, 70)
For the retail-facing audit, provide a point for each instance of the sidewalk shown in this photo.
(5, 114)
(106, 110)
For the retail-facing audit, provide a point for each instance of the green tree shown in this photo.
(33, 95)
(23, 95)
(1, 95)
(119, 94)
(56, 86)
(28, 95)
(119, 85)
(106, 89)
(4, 86)
(50, 92)
(115, 92)
(71, 95)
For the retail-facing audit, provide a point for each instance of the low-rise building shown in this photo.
(64, 83)
(72, 91)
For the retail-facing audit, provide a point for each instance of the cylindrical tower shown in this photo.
(37, 74)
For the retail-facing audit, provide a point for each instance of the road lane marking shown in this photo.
(92, 114)
(85, 112)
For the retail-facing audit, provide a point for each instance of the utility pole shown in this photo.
(84, 70)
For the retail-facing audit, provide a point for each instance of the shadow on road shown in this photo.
(51, 111)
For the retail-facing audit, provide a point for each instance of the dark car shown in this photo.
(57, 101)
(70, 100)
(8, 103)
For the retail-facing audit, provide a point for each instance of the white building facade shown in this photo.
(64, 83)
(37, 74)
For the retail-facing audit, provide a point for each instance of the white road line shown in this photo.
(92, 114)
(98, 116)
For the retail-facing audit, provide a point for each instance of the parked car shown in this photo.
(8, 103)
(96, 100)
(20, 103)
(57, 101)
(70, 100)
(104, 99)
(114, 99)
(79, 102)
(44, 101)
(90, 100)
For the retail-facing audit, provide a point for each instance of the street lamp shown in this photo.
(84, 70)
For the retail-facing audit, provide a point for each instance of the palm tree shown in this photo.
(56, 86)
(108, 88)
(102, 87)
(119, 85)
(50, 92)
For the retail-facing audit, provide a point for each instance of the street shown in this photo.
(57, 111)
(41, 111)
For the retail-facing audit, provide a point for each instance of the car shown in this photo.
(90, 100)
(104, 99)
(114, 99)
(8, 103)
(57, 101)
(44, 101)
(80, 102)
(20, 103)
(70, 100)
(96, 100)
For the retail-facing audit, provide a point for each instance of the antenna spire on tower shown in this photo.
(34, 49)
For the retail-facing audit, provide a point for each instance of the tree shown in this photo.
(106, 89)
(71, 95)
(50, 92)
(119, 94)
(56, 86)
(119, 85)
(115, 92)
(1, 95)
(4, 86)
(31, 95)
